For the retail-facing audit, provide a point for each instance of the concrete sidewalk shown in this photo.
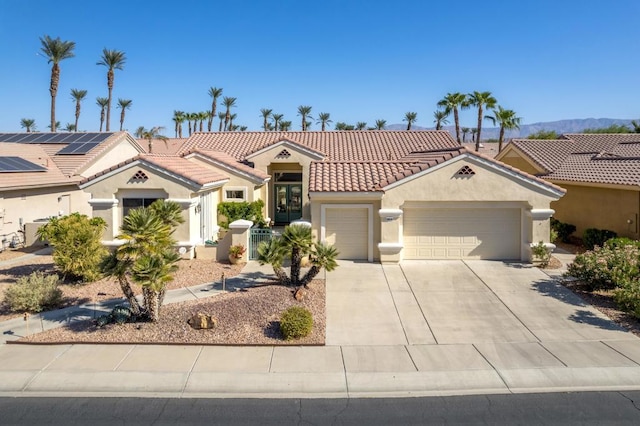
(359, 362)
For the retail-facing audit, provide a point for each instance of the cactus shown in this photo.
(121, 314)
(103, 320)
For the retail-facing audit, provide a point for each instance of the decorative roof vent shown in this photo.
(283, 154)
(466, 171)
(140, 176)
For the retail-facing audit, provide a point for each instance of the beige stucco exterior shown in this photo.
(121, 152)
(514, 158)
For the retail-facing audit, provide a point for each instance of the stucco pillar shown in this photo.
(187, 233)
(240, 235)
(541, 227)
(390, 245)
(107, 209)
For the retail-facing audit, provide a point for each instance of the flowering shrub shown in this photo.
(606, 267)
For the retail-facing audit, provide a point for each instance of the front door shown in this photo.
(288, 201)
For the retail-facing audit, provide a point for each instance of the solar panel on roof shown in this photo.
(101, 137)
(57, 137)
(17, 164)
(12, 137)
(86, 137)
(74, 138)
(78, 148)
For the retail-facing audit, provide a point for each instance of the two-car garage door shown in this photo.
(461, 233)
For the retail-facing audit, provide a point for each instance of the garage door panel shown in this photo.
(348, 230)
(462, 233)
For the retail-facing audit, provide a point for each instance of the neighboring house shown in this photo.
(40, 173)
(376, 195)
(601, 173)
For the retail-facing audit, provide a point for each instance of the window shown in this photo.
(288, 177)
(235, 194)
(134, 203)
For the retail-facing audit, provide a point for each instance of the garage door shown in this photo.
(348, 230)
(462, 234)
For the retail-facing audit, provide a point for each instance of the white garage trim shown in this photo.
(368, 207)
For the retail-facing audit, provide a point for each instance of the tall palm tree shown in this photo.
(474, 133)
(231, 118)
(481, 100)
(265, 113)
(324, 119)
(55, 50)
(28, 123)
(178, 119)
(361, 125)
(507, 120)
(78, 95)
(221, 116)
(277, 118)
(215, 93)
(454, 102)
(380, 124)
(228, 103)
(139, 132)
(285, 126)
(113, 60)
(56, 126)
(102, 103)
(410, 118)
(70, 127)
(151, 134)
(440, 118)
(464, 130)
(191, 117)
(123, 104)
(202, 116)
(304, 111)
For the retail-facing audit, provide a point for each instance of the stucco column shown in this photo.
(240, 235)
(107, 209)
(390, 245)
(541, 227)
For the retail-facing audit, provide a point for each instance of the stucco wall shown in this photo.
(604, 208)
(514, 159)
(117, 154)
(37, 203)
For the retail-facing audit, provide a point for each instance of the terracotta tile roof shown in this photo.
(589, 158)
(366, 145)
(162, 146)
(35, 154)
(180, 166)
(226, 160)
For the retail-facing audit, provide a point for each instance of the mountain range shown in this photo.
(575, 125)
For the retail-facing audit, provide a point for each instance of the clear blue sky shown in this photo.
(358, 60)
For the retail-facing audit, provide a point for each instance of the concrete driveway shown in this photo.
(456, 302)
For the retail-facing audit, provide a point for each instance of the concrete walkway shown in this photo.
(422, 328)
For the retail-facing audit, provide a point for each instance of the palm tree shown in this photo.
(481, 100)
(78, 96)
(410, 118)
(178, 119)
(304, 111)
(440, 118)
(636, 126)
(276, 121)
(69, 127)
(113, 60)
(191, 116)
(215, 93)
(151, 134)
(507, 120)
(57, 126)
(265, 113)
(204, 115)
(55, 50)
(243, 128)
(474, 132)
(139, 132)
(221, 116)
(285, 126)
(228, 103)
(102, 103)
(454, 102)
(232, 117)
(361, 125)
(28, 123)
(380, 124)
(123, 104)
(465, 130)
(324, 119)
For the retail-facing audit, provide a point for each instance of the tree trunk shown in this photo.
(500, 139)
(151, 303)
(53, 90)
(457, 122)
(122, 119)
(283, 279)
(131, 298)
(296, 257)
(110, 87)
(479, 128)
(101, 118)
(310, 275)
(77, 114)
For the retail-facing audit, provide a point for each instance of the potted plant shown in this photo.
(236, 252)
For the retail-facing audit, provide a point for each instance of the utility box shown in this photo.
(30, 234)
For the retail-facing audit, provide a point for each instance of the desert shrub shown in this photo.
(619, 242)
(77, 245)
(563, 230)
(242, 210)
(606, 267)
(627, 296)
(34, 293)
(596, 237)
(118, 315)
(296, 322)
(541, 253)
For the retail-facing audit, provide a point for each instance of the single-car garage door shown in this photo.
(348, 230)
(482, 233)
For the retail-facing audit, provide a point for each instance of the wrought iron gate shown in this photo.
(256, 236)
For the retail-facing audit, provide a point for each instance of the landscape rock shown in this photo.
(202, 321)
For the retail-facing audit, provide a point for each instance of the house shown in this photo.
(376, 195)
(601, 173)
(40, 173)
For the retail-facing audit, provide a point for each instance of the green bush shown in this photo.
(606, 267)
(596, 237)
(619, 242)
(77, 245)
(296, 322)
(242, 210)
(563, 230)
(34, 293)
(541, 253)
(627, 296)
